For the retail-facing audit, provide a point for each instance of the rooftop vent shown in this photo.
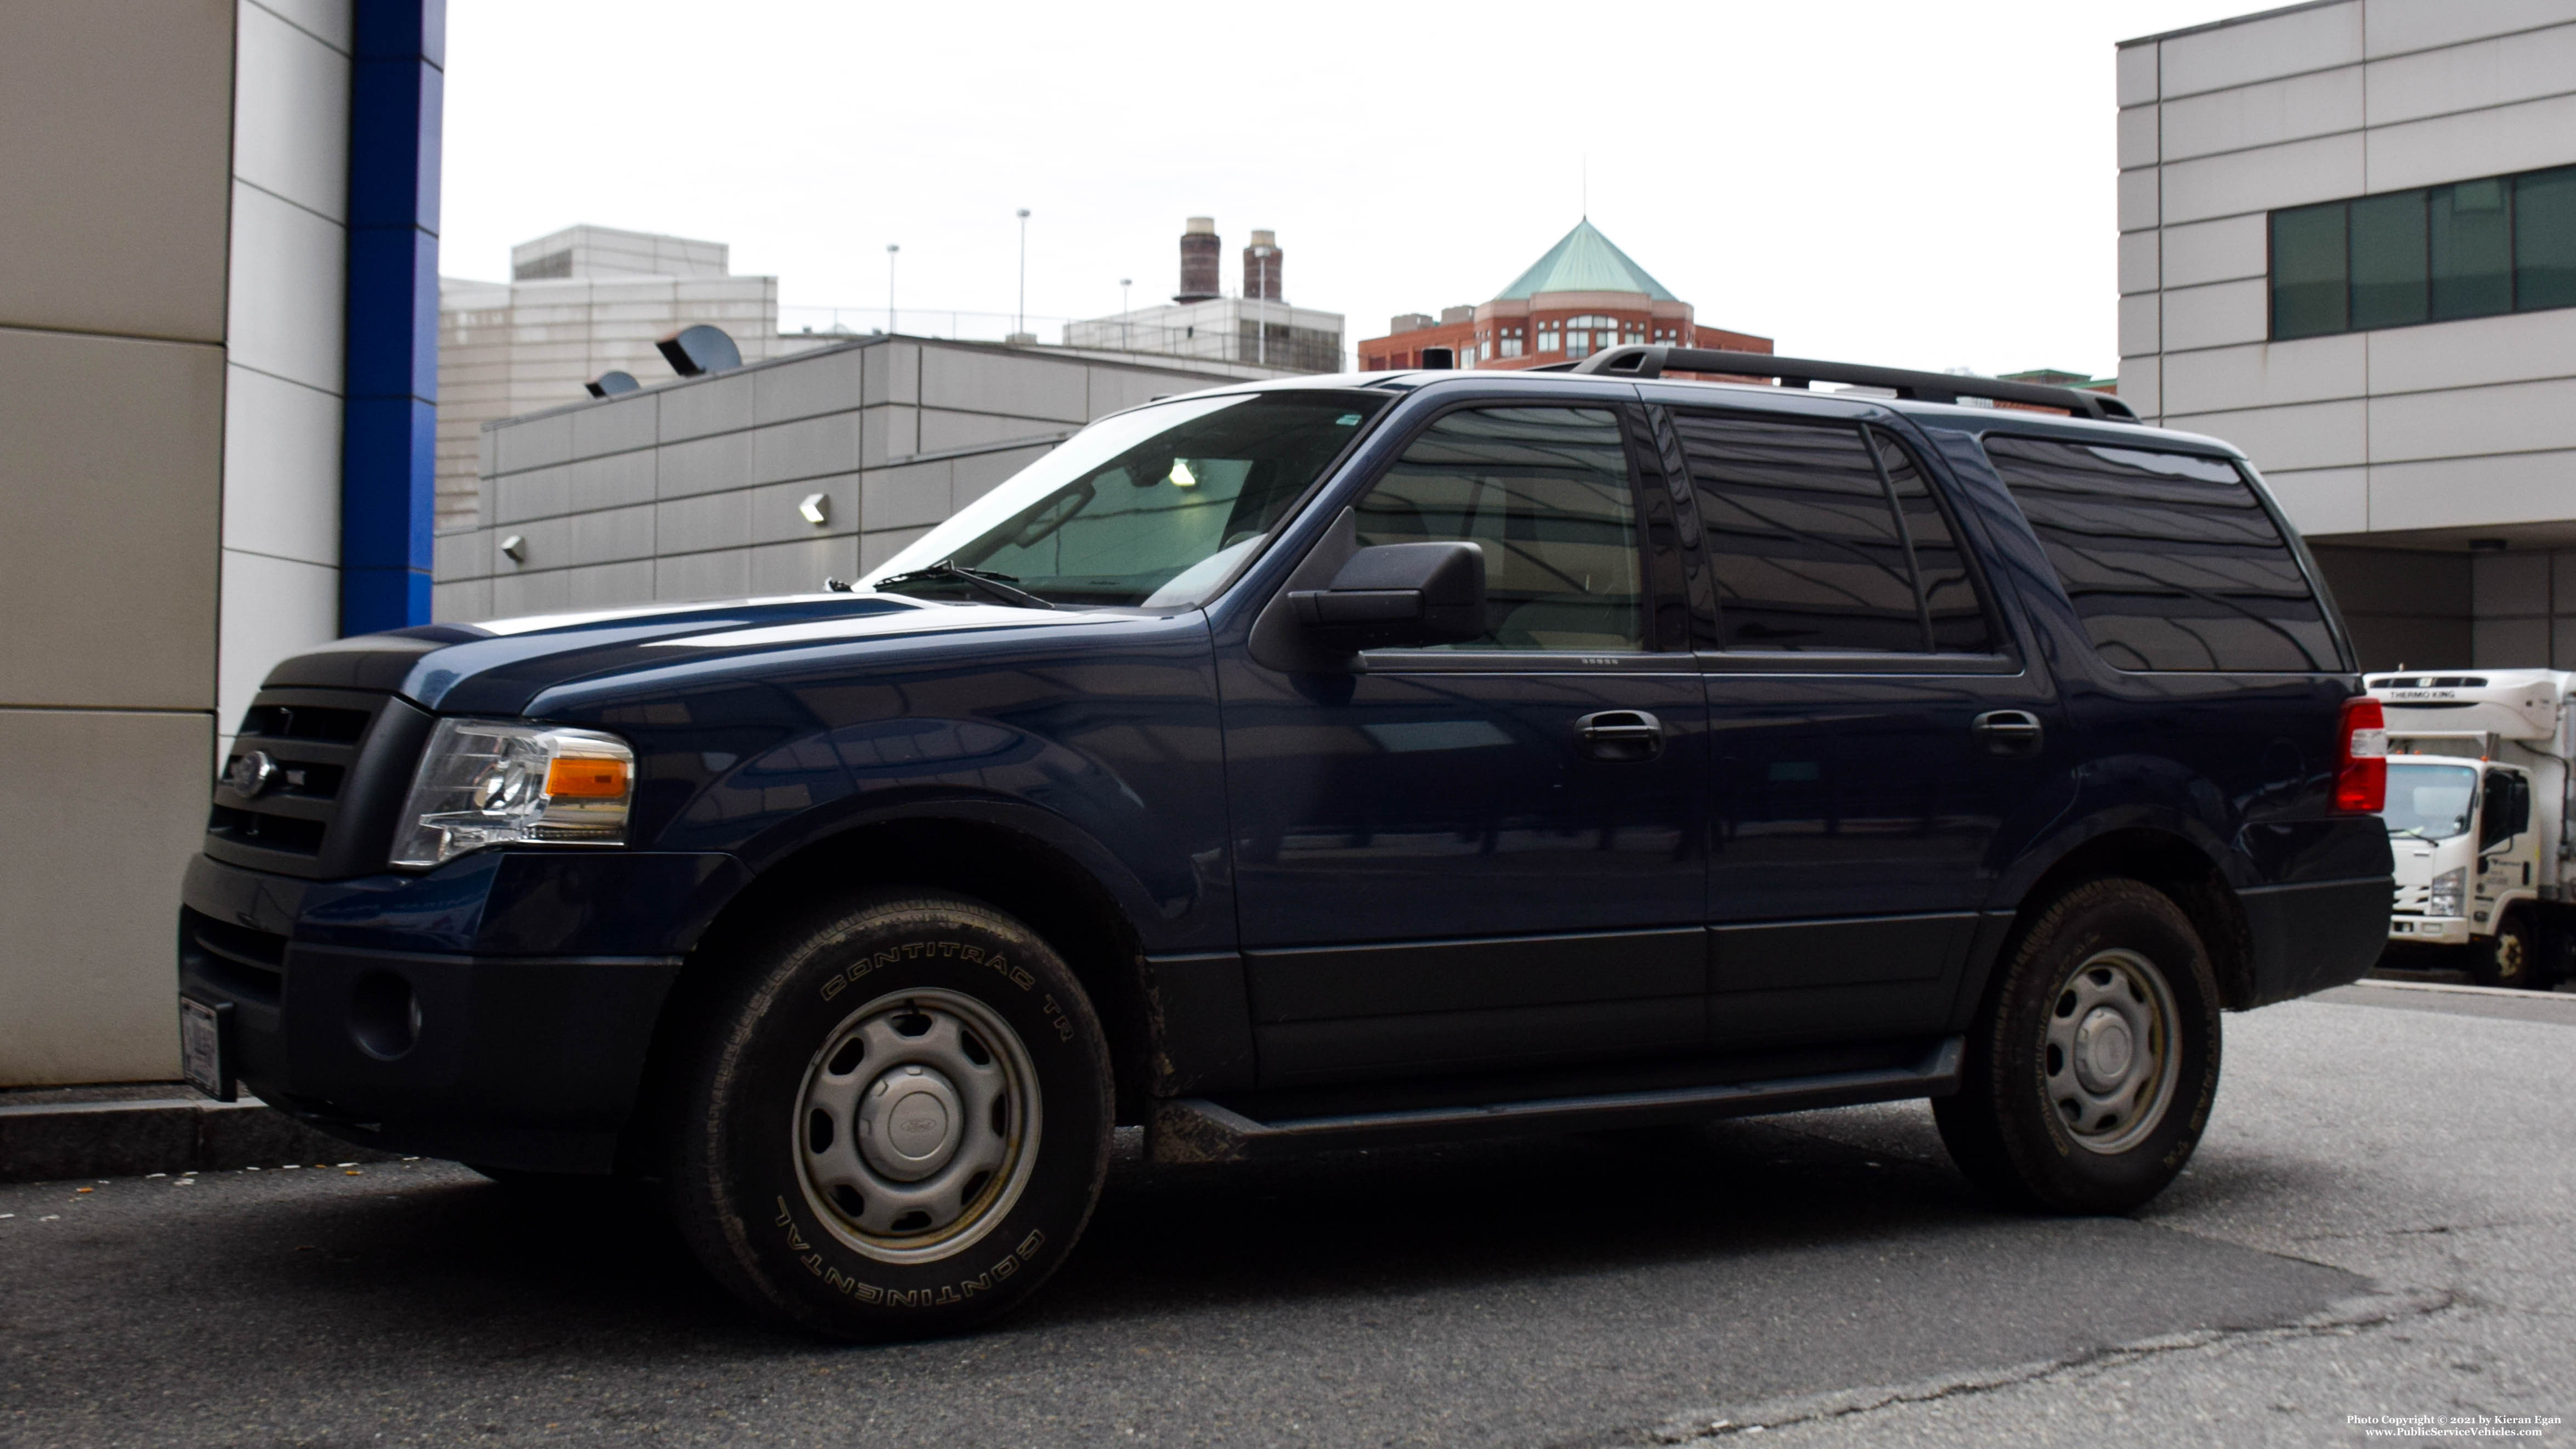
(1201, 259)
(610, 384)
(700, 349)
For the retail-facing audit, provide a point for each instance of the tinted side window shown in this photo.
(2170, 559)
(1951, 608)
(1802, 537)
(1544, 493)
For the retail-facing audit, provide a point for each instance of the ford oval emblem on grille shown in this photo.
(250, 774)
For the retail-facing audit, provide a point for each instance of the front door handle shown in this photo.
(2009, 732)
(1620, 734)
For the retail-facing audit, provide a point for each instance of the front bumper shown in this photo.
(498, 1010)
(2430, 930)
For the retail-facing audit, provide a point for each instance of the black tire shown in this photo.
(2078, 964)
(853, 981)
(2510, 958)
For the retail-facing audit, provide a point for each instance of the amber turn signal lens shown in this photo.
(580, 779)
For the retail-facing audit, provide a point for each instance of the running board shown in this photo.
(1194, 1129)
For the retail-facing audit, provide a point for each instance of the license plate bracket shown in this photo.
(205, 1047)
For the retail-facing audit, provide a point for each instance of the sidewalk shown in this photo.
(48, 1134)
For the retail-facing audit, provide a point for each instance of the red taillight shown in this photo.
(2361, 777)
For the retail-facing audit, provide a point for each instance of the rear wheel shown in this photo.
(2090, 1076)
(899, 1123)
(2509, 958)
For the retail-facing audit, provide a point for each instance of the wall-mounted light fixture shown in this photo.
(516, 548)
(816, 509)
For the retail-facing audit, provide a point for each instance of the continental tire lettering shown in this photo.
(980, 1283)
(784, 1217)
(866, 1292)
(814, 1264)
(832, 987)
(1006, 1268)
(1028, 1249)
(949, 1295)
(896, 1298)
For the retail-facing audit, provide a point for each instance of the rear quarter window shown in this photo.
(2171, 561)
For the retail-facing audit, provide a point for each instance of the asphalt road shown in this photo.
(2378, 1223)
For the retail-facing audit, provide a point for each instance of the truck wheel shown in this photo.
(898, 1122)
(2510, 958)
(2090, 1075)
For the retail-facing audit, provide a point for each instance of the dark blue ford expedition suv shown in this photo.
(1342, 761)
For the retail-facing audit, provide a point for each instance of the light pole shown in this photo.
(1022, 329)
(1126, 341)
(891, 249)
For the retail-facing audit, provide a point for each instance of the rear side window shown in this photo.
(2170, 559)
(1826, 537)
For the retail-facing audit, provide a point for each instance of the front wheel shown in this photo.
(899, 1120)
(2091, 1074)
(2509, 958)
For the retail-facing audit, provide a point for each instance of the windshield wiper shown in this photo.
(983, 581)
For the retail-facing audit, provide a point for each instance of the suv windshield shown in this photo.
(2430, 802)
(1155, 507)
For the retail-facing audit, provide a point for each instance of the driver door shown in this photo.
(1469, 856)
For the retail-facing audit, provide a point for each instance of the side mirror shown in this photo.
(1398, 596)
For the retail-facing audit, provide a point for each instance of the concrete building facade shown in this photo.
(771, 477)
(581, 302)
(2348, 244)
(1256, 326)
(213, 390)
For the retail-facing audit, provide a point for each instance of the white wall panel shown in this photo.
(2469, 492)
(2509, 418)
(2314, 369)
(2287, 439)
(2286, 175)
(2137, 137)
(2462, 77)
(2256, 50)
(2141, 385)
(2291, 109)
(2138, 204)
(2324, 500)
(2138, 269)
(2216, 251)
(2474, 143)
(272, 608)
(2518, 347)
(284, 309)
(281, 467)
(291, 114)
(2136, 81)
(2392, 28)
(2218, 315)
(2139, 333)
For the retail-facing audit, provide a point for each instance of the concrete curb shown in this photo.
(51, 1141)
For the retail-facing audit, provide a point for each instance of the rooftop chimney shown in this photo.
(1201, 255)
(1261, 267)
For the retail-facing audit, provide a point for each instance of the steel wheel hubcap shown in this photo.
(917, 1125)
(2110, 1055)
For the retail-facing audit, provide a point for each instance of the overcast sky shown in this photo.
(1914, 184)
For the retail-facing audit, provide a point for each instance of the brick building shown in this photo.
(1583, 296)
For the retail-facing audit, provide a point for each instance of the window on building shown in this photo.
(1544, 494)
(1509, 343)
(2170, 560)
(1550, 337)
(1632, 332)
(2433, 254)
(1826, 537)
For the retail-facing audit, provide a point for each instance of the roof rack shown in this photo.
(1942, 387)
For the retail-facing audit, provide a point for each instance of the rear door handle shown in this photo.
(1620, 734)
(2009, 731)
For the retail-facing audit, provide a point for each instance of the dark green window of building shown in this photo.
(2311, 283)
(2544, 244)
(2469, 249)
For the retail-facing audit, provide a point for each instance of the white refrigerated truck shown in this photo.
(2478, 820)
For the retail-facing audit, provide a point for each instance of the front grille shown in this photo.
(2411, 899)
(249, 965)
(322, 811)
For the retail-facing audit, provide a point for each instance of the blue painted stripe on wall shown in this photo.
(388, 453)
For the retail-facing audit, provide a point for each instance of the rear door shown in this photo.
(1878, 741)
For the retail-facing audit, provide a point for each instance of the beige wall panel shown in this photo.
(2312, 369)
(2526, 417)
(2142, 385)
(2216, 251)
(2258, 50)
(2473, 352)
(2290, 174)
(2324, 500)
(2137, 142)
(2472, 492)
(91, 851)
(2315, 435)
(2291, 109)
(2471, 144)
(117, 114)
(110, 497)
(2461, 77)
(2137, 74)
